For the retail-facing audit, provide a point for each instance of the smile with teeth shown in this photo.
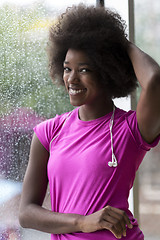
(76, 91)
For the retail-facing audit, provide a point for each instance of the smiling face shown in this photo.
(80, 79)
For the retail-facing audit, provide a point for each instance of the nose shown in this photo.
(73, 77)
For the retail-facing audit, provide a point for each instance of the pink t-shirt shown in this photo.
(79, 176)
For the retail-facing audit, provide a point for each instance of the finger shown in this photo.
(123, 214)
(115, 220)
(109, 226)
(121, 219)
(127, 221)
(118, 219)
(124, 233)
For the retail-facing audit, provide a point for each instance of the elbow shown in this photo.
(23, 219)
(155, 79)
(153, 87)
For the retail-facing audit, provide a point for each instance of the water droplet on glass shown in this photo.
(28, 97)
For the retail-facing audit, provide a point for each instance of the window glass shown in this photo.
(147, 29)
(27, 98)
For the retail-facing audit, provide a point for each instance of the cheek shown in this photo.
(65, 79)
(94, 84)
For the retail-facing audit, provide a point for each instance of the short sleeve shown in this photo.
(133, 126)
(44, 132)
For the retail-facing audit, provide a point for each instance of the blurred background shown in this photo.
(29, 97)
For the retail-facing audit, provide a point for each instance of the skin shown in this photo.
(148, 108)
(94, 103)
(79, 75)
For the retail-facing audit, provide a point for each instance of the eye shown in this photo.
(66, 69)
(84, 70)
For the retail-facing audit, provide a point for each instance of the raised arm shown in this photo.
(148, 108)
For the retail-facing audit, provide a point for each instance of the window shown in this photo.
(147, 28)
(28, 97)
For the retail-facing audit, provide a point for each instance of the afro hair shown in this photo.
(101, 34)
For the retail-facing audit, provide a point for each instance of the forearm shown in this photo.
(39, 218)
(146, 69)
(109, 218)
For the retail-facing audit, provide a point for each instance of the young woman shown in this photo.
(90, 156)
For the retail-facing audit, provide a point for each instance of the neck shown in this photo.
(88, 113)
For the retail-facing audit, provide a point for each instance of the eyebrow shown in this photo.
(80, 64)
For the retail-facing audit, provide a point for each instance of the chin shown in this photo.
(76, 104)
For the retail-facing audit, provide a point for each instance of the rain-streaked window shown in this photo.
(28, 97)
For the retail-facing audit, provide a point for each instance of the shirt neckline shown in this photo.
(94, 121)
